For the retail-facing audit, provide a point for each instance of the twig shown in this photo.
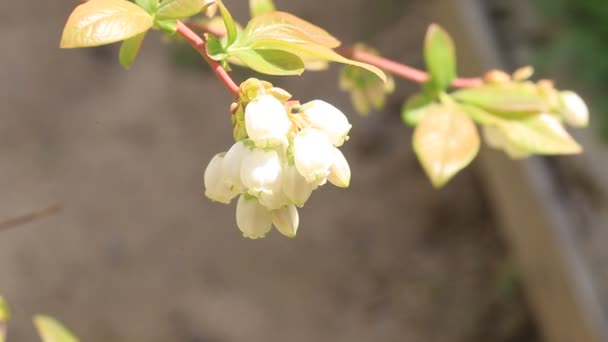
(28, 218)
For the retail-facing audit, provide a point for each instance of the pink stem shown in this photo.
(199, 44)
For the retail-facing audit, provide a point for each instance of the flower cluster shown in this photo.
(283, 152)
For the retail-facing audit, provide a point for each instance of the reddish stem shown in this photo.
(199, 44)
(402, 70)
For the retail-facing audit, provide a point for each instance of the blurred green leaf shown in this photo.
(513, 101)
(445, 141)
(540, 134)
(149, 5)
(99, 22)
(51, 330)
(415, 108)
(178, 9)
(231, 28)
(130, 49)
(440, 57)
(259, 7)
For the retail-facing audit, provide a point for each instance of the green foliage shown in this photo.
(179, 9)
(440, 57)
(149, 5)
(259, 7)
(510, 100)
(51, 330)
(99, 22)
(130, 49)
(367, 91)
(414, 109)
(231, 28)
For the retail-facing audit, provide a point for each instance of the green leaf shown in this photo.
(445, 141)
(259, 7)
(286, 27)
(512, 101)
(231, 29)
(130, 49)
(440, 57)
(272, 62)
(416, 108)
(312, 51)
(50, 330)
(479, 115)
(99, 22)
(149, 5)
(215, 49)
(167, 25)
(178, 9)
(540, 134)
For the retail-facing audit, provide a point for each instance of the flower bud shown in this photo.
(231, 167)
(340, 170)
(329, 119)
(286, 220)
(313, 155)
(575, 110)
(215, 189)
(261, 172)
(252, 218)
(295, 186)
(266, 121)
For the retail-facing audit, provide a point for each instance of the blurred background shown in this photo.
(137, 253)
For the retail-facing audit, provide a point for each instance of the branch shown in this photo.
(27, 218)
(199, 45)
(402, 70)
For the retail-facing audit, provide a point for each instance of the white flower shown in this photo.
(252, 218)
(266, 121)
(261, 172)
(286, 220)
(495, 138)
(215, 188)
(340, 170)
(274, 200)
(329, 119)
(313, 155)
(295, 186)
(575, 112)
(231, 167)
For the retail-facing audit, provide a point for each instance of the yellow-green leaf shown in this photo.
(513, 101)
(149, 5)
(259, 7)
(231, 28)
(130, 49)
(416, 108)
(289, 28)
(540, 134)
(445, 141)
(5, 314)
(177, 9)
(99, 22)
(313, 51)
(440, 57)
(271, 62)
(50, 330)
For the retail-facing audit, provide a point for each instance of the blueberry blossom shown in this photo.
(283, 152)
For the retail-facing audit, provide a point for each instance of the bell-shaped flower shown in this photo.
(295, 186)
(252, 218)
(340, 170)
(329, 119)
(575, 110)
(231, 167)
(215, 188)
(286, 220)
(275, 199)
(313, 155)
(495, 138)
(266, 121)
(261, 172)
